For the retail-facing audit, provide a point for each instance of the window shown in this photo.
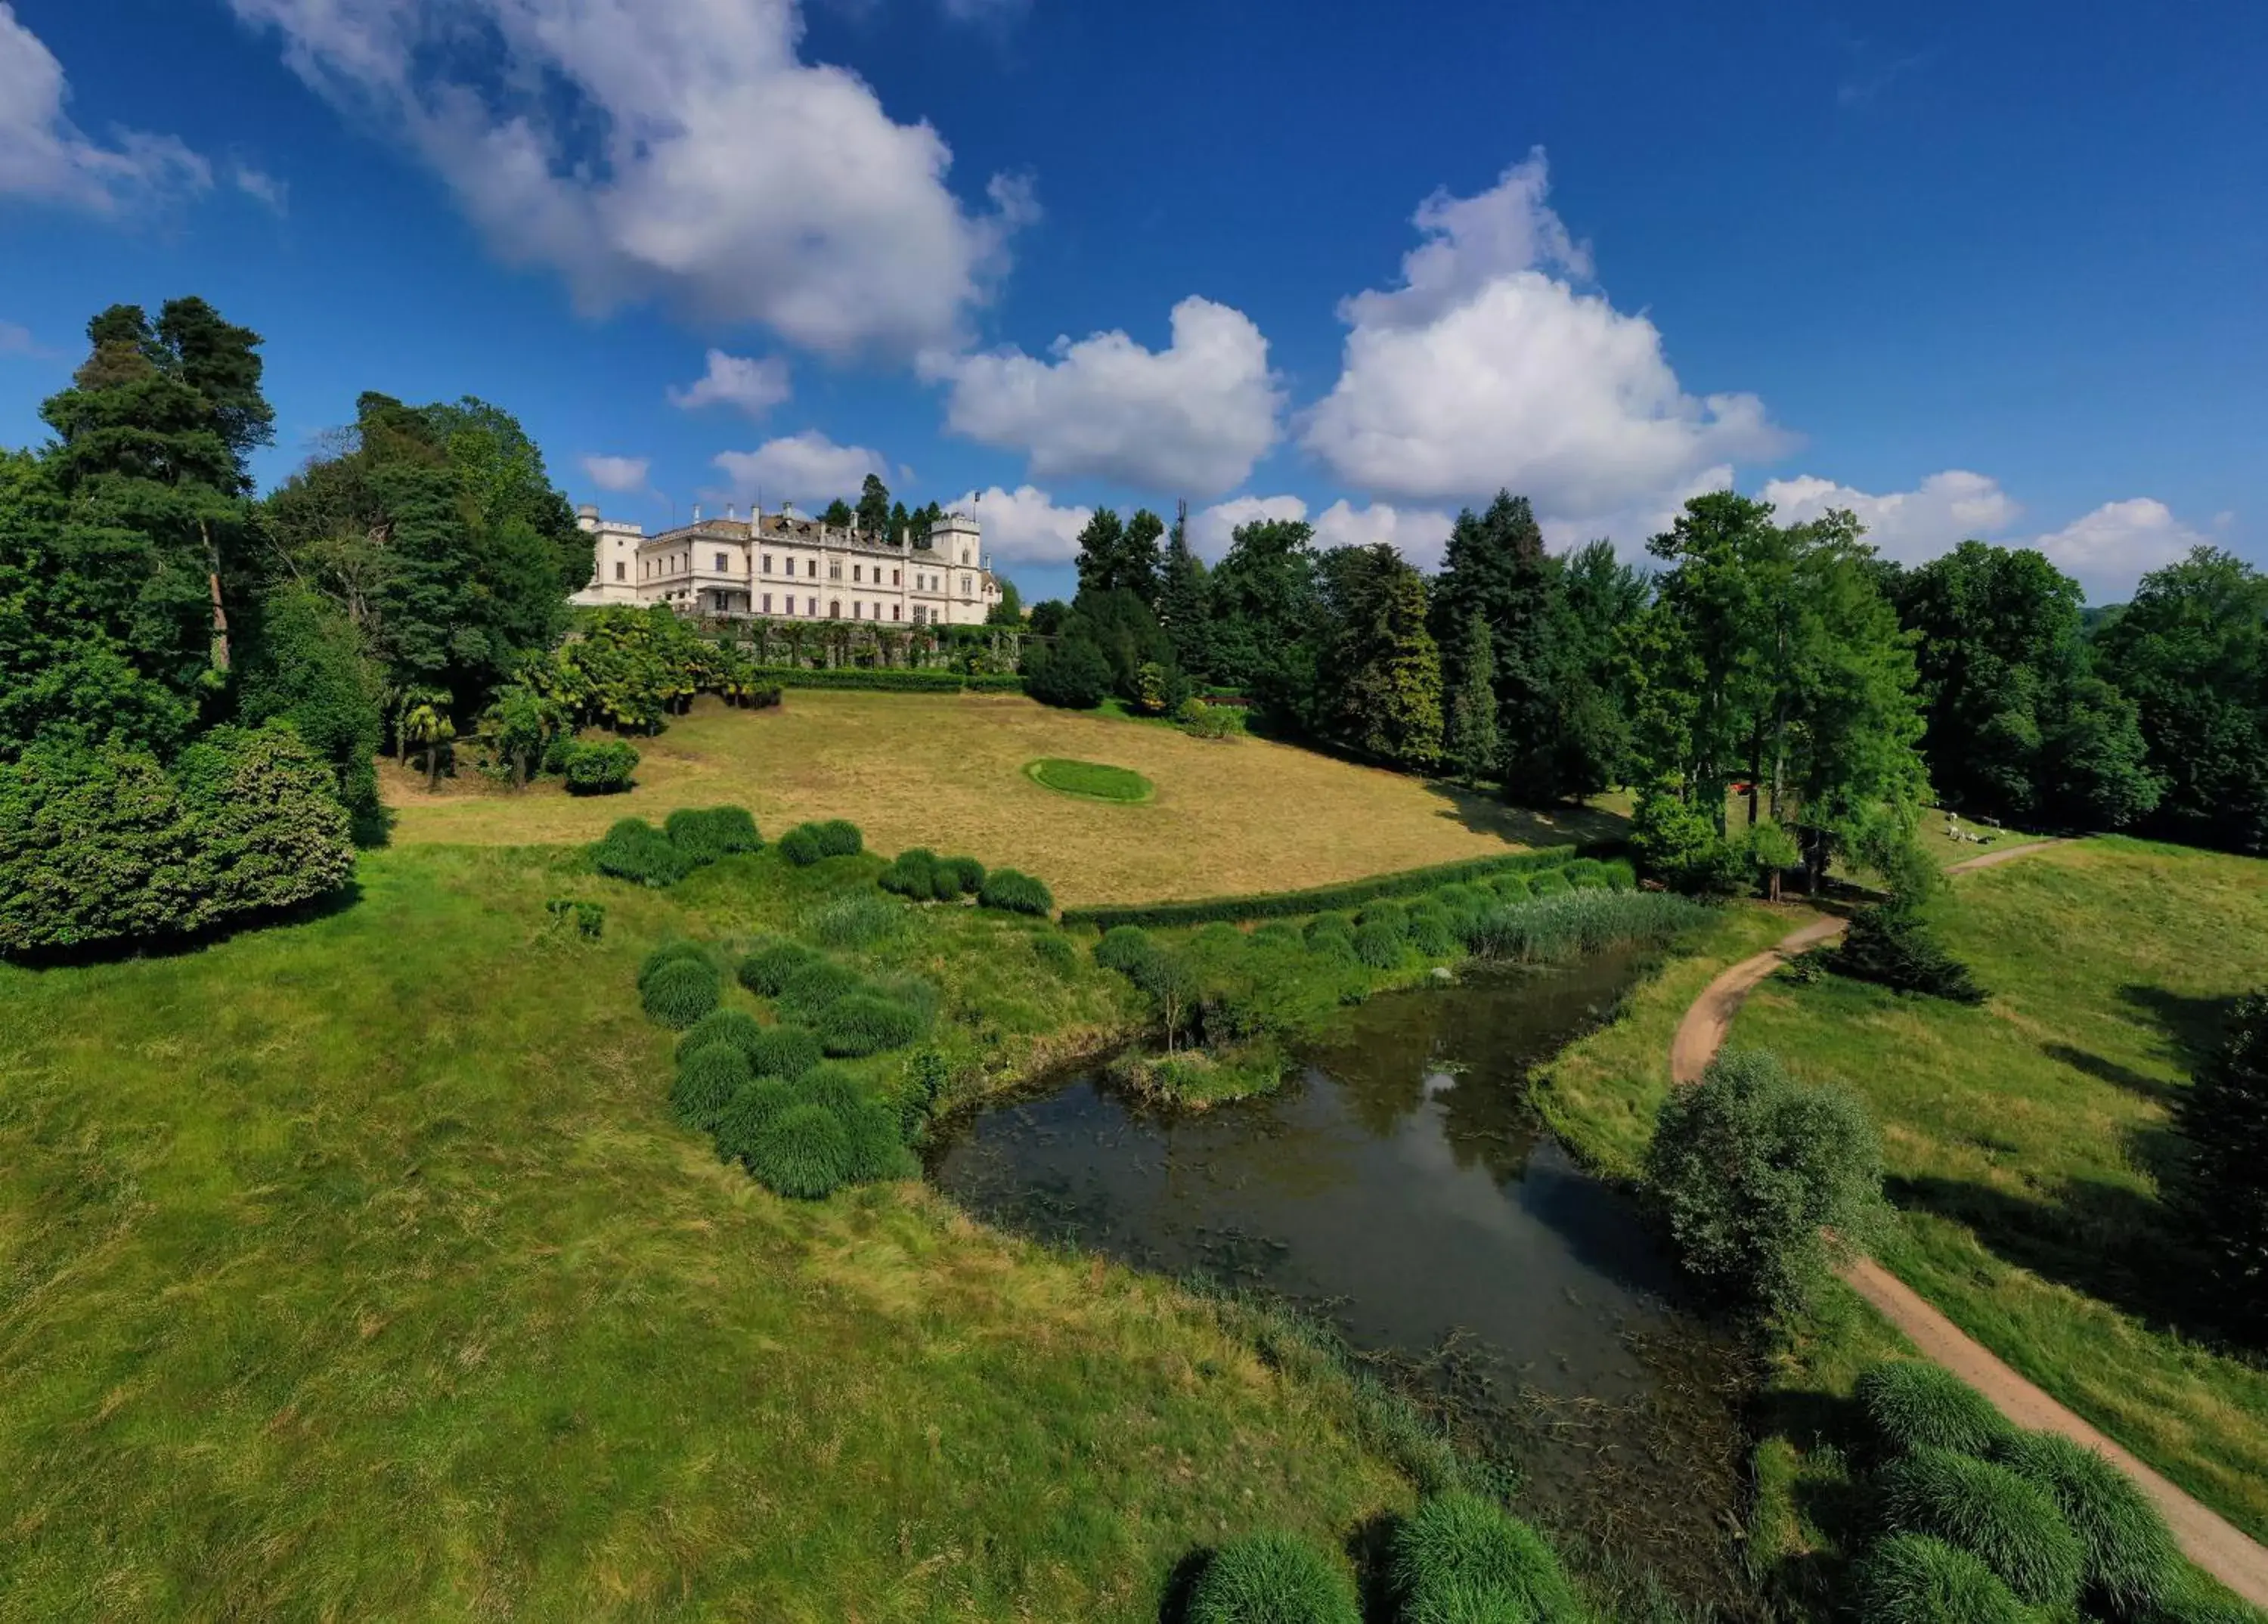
(895, 574)
(897, 611)
(620, 568)
(768, 563)
(834, 569)
(964, 586)
(768, 603)
(813, 608)
(855, 573)
(857, 609)
(810, 568)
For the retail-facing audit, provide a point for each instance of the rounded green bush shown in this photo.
(1056, 952)
(912, 874)
(1548, 882)
(1913, 1579)
(1460, 1557)
(749, 1113)
(816, 985)
(707, 1080)
(670, 952)
(834, 1089)
(2012, 1525)
(635, 850)
(1277, 933)
(805, 1152)
(864, 1024)
(967, 873)
(1392, 914)
(838, 838)
(1585, 872)
(857, 920)
(1272, 1578)
(680, 993)
(2197, 1600)
(878, 1146)
(1434, 935)
(1621, 873)
(1338, 924)
(2131, 1564)
(1378, 945)
(800, 846)
(1911, 1405)
(1123, 948)
(1014, 892)
(1512, 888)
(688, 832)
(789, 1051)
(766, 969)
(736, 1026)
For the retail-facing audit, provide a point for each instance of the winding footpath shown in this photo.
(2210, 1541)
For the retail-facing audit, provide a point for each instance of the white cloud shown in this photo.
(263, 187)
(1485, 370)
(2112, 547)
(44, 155)
(755, 386)
(1910, 527)
(680, 151)
(1191, 417)
(1025, 525)
(617, 474)
(808, 469)
(1419, 534)
(1212, 530)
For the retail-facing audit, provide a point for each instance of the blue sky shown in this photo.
(1983, 271)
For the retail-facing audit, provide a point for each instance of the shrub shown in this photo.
(863, 1023)
(1074, 675)
(1200, 721)
(594, 769)
(1321, 899)
(1124, 948)
(1337, 925)
(735, 1027)
(1458, 1557)
(816, 985)
(886, 680)
(1910, 1405)
(1678, 844)
(1016, 893)
(707, 1080)
(1055, 952)
(857, 921)
(590, 920)
(2224, 1117)
(912, 874)
(1896, 948)
(1550, 882)
(635, 850)
(766, 969)
(1512, 887)
(2195, 1600)
(1390, 912)
(1573, 924)
(749, 1113)
(670, 952)
(2012, 1525)
(788, 1052)
(1620, 874)
(1272, 1579)
(878, 1145)
(805, 1152)
(1432, 935)
(1913, 1579)
(705, 837)
(966, 874)
(838, 838)
(800, 846)
(1378, 945)
(1751, 1170)
(1277, 933)
(1586, 873)
(2130, 1563)
(680, 993)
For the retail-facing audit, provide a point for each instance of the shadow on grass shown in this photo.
(1485, 813)
(2194, 1028)
(118, 951)
(2110, 1072)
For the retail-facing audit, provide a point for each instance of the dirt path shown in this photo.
(2210, 1541)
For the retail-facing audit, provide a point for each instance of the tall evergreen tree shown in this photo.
(1183, 606)
(1140, 568)
(1472, 745)
(1266, 614)
(1116, 554)
(1380, 687)
(839, 515)
(1495, 569)
(874, 515)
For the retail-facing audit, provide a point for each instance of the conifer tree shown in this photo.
(1473, 746)
(1183, 606)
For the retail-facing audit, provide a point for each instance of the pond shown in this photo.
(1404, 1188)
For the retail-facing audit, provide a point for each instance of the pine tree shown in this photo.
(1496, 571)
(874, 513)
(1382, 663)
(1183, 607)
(1473, 746)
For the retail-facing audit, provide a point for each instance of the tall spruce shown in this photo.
(873, 511)
(1474, 748)
(1496, 570)
(1183, 606)
(1380, 687)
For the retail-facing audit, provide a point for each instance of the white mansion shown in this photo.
(783, 566)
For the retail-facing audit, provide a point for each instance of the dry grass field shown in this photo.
(948, 771)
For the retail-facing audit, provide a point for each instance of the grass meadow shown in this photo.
(357, 1267)
(946, 772)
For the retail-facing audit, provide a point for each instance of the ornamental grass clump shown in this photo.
(1573, 924)
(1278, 933)
(635, 850)
(805, 1153)
(1460, 1557)
(1621, 873)
(766, 967)
(800, 846)
(707, 1080)
(2012, 1525)
(911, 875)
(1125, 949)
(681, 992)
(865, 1023)
(745, 1116)
(2131, 1563)
(1433, 934)
(1914, 1579)
(1548, 882)
(670, 952)
(816, 987)
(1511, 887)
(736, 1026)
(1585, 874)
(788, 1052)
(1379, 945)
(1272, 1578)
(965, 874)
(857, 920)
(837, 837)
(1393, 915)
(709, 836)
(1911, 1405)
(1015, 892)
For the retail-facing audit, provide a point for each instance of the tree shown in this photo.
(1473, 747)
(874, 515)
(840, 515)
(1266, 616)
(305, 664)
(1380, 687)
(2224, 1116)
(1589, 746)
(2192, 651)
(1764, 1183)
(1048, 617)
(1496, 572)
(1184, 607)
(1009, 611)
(1073, 674)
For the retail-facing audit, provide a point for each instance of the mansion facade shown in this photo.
(784, 566)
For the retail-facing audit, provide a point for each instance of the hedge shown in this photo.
(880, 680)
(1321, 899)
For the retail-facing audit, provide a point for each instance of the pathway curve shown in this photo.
(2210, 1540)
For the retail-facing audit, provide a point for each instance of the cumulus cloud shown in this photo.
(753, 385)
(808, 469)
(43, 155)
(1212, 528)
(1024, 525)
(680, 151)
(1419, 533)
(1910, 527)
(617, 474)
(1487, 367)
(2107, 551)
(1193, 417)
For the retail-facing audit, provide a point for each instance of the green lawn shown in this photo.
(1090, 781)
(355, 1268)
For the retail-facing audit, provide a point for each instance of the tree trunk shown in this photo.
(219, 614)
(433, 769)
(520, 769)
